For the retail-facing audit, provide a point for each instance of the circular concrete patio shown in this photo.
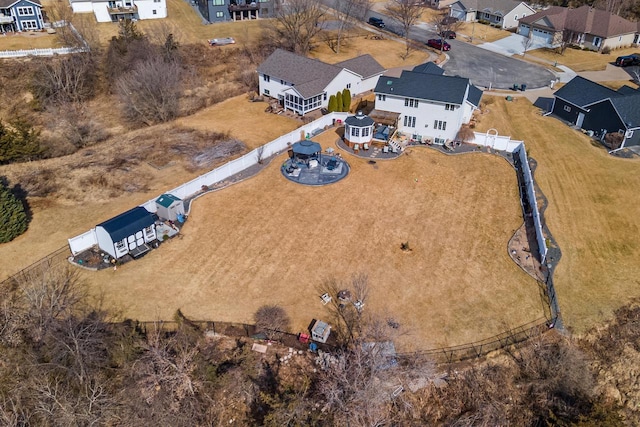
(326, 169)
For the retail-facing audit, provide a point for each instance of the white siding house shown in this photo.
(302, 85)
(115, 10)
(431, 106)
(127, 233)
(503, 13)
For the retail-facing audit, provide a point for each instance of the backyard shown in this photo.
(268, 240)
(593, 212)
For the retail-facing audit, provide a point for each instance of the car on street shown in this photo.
(625, 61)
(439, 44)
(376, 22)
(448, 34)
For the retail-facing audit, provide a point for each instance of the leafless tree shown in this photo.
(271, 319)
(68, 79)
(297, 23)
(150, 93)
(348, 11)
(635, 74)
(527, 42)
(407, 13)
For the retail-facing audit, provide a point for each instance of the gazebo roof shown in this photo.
(359, 120)
(306, 147)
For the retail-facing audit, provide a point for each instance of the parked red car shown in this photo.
(448, 34)
(439, 44)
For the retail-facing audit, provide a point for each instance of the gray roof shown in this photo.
(359, 120)
(363, 65)
(474, 96)
(628, 108)
(167, 200)
(628, 90)
(582, 92)
(428, 68)
(308, 76)
(127, 223)
(496, 7)
(306, 147)
(429, 87)
(6, 3)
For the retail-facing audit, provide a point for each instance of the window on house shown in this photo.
(355, 131)
(597, 41)
(440, 125)
(409, 121)
(365, 131)
(382, 97)
(567, 108)
(348, 85)
(22, 11)
(264, 1)
(515, 17)
(155, 12)
(409, 102)
(121, 245)
(449, 107)
(266, 92)
(324, 97)
(498, 18)
(29, 25)
(266, 78)
(148, 230)
(221, 15)
(218, 2)
(156, 1)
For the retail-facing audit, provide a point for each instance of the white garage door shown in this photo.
(542, 35)
(457, 13)
(523, 30)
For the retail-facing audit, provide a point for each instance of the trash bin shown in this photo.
(509, 98)
(523, 87)
(515, 87)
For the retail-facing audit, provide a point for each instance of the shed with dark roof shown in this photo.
(127, 233)
(169, 207)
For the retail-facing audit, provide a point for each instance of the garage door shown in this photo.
(542, 35)
(523, 30)
(458, 14)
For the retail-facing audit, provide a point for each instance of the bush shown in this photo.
(19, 142)
(333, 105)
(13, 218)
(339, 102)
(606, 50)
(346, 100)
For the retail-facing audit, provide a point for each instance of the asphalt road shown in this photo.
(482, 67)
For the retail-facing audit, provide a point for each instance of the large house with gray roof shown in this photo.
(500, 13)
(598, 109)
(302, 84)
(427, 104)
(585, 26)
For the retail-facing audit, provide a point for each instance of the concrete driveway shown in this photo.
(512, 45)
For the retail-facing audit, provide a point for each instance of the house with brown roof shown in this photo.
(499, 13)
(585, 26)
(302, 84)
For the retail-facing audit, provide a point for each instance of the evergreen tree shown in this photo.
(19, 142)
(13, 218)
(339, 101)
(333, 105)
(346, 100)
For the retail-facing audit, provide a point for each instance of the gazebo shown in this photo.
(358, 129)
(306, 150)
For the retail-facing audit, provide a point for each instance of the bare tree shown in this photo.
(527, 42)
(407, 13)
(68, 79)
(150, 93)
(272, 319)
(348, 11)
(297, 23)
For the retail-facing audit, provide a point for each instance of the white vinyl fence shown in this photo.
(38, 52)
(86, 240)
(495, 141)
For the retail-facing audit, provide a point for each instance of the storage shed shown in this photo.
(169, 207)
(127, 233)
(320, 331)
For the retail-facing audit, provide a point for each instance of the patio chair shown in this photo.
(326, 298)
(365, 146)
(356, 147)
(394, 149)
(385, 149)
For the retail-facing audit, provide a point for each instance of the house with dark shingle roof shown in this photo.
(596, 108)
(585, 26)
(20, 15)
(427, 104)
(302, 84)
(503, 13)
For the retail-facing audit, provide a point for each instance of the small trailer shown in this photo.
(222, 41)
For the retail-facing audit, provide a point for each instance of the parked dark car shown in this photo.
(448, 34)
(439, 44)
(625, 61)
(376, 22)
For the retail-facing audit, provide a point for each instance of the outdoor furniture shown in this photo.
(356, 147)
(385, 149)
(394, 149)
(365, 146)
(313, 163)
(326, 298)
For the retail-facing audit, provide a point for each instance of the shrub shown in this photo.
(271, 319)
(346, 100)
(13, 218)
(606, 50)
(333, 106)
(339, 102)
(19, 142)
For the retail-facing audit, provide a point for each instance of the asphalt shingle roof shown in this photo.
(127, 223)
(428, 68)
(584, 19)
(359, 120)
(495, 7)
(363, 65)
(582, 92)
(629, 109)
(430, 87)
(308, 76)
(628, 90)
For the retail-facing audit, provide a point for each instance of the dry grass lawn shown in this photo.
(268, 240)
(481, 33)
(580, 60)
(594, 206)
(617, 84)
(28, 40)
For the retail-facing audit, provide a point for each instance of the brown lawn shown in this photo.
(593, 212)
(581, 60)
(28, 40)
(480, 33)
(268, 240)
